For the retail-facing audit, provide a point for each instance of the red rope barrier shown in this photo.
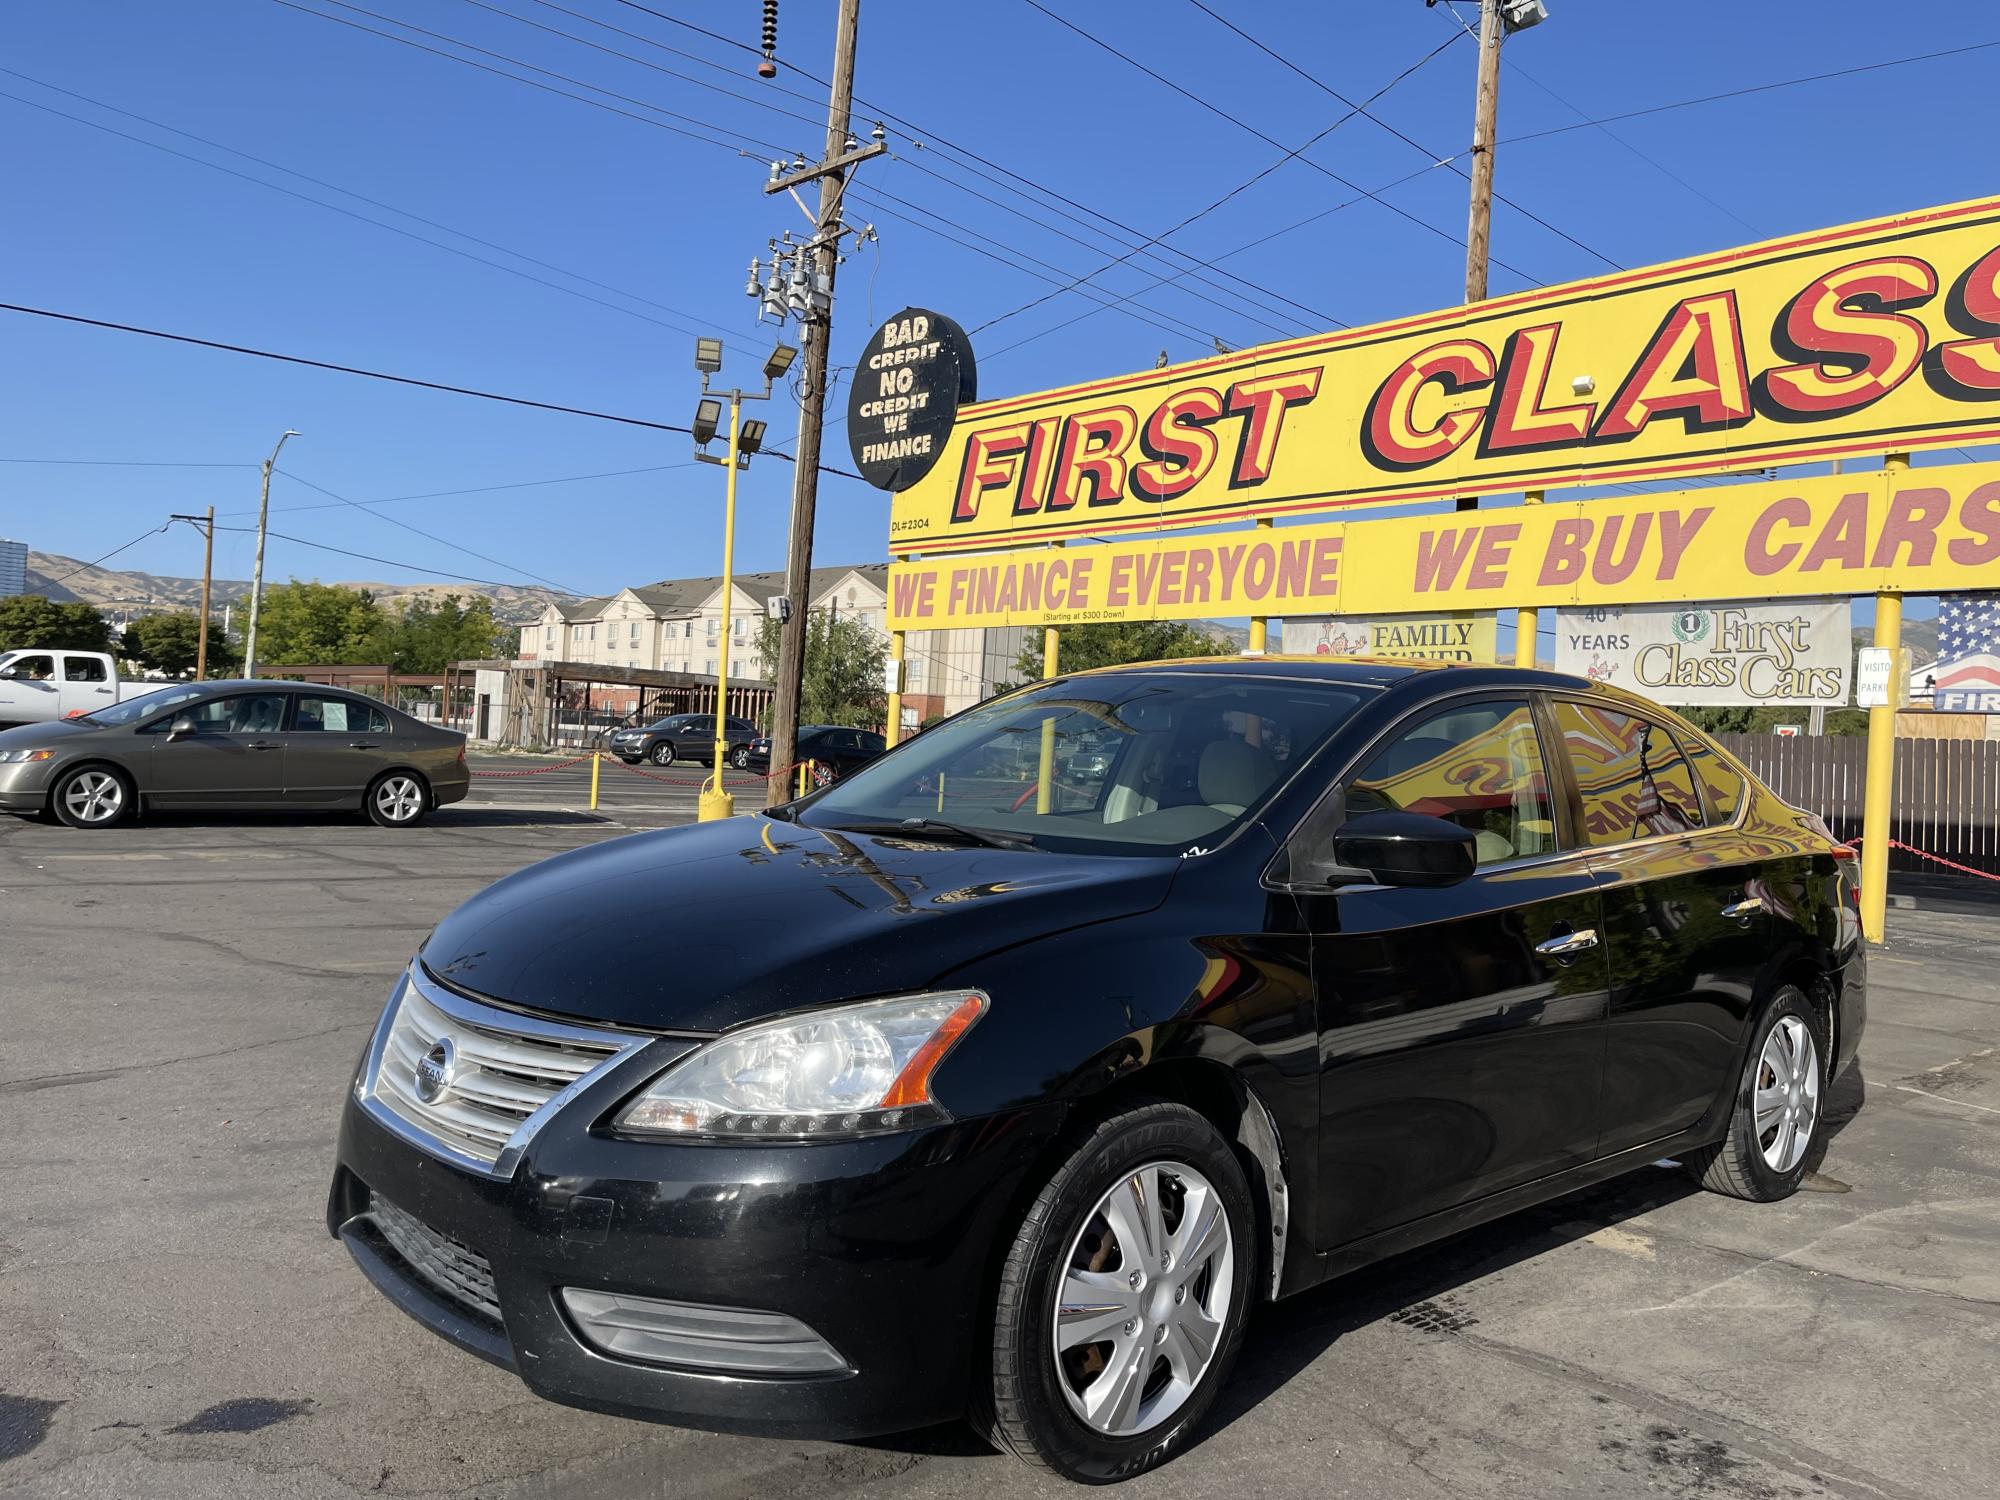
(1936, 859)
(561, 765)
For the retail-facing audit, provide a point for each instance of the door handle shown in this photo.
(261, 745)
(1745, 909)
(1566, 945)
(363, 745)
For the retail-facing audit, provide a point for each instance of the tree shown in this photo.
(1116, 642)
(427, 635)
(843, 669)
(171, 644)
(320, 622)
(1743, 719)
(31, 620)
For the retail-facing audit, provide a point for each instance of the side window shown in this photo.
(1479, 766)
(1719, 779)
(84, 669)
(34, 668)
(873, 743)
(331, 715)
(248, 713)
(1635, 782)
(377, 720)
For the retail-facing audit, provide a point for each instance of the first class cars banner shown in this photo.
(1874, 337)
(1794, 654)
(1918, 531)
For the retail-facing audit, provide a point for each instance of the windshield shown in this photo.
(1117, 763)
(143, 706)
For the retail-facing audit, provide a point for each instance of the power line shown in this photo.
(86, 567)
(348, 193)
(1294, 153)
(1221, 113)
(1031, 191)
(419, 531)
(348, 212)
(1326, 88)
(390, 562)
(122, 463)
(480, 489)
(321, 364)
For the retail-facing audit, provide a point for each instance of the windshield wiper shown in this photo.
(938, 828)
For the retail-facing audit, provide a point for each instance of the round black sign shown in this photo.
(913, 376)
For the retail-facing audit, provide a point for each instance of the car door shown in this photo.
(86, 684)
(694, 735)
(235, 756)
(1685, 927)
(33, 693)
(1461, 1028)
(334, 748)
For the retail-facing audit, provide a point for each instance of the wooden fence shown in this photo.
(1946, 799)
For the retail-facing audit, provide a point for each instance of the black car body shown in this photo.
(1392, 950)
(832, 749)
(680, 737)
(244, 745)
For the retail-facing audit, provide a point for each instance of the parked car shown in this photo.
(905, 1100)
(833, 750)
(680, 737)
(237, 745)
(40, 686)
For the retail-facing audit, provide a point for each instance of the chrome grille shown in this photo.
(503, 1075)
(461, 1274)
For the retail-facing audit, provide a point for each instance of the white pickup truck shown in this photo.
(38, 686)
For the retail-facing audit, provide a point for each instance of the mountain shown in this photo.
(1919, 639)
(151, 593)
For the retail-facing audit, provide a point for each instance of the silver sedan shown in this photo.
(233, 745)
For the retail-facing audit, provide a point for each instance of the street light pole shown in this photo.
(207, 524)
(257, 575)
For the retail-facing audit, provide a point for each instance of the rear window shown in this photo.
(1635, 782)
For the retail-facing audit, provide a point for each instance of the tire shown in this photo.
(1060, 1407)
(398, 799)
(740, 757)
(1787, 1067)
(663, 753)
(93, 797)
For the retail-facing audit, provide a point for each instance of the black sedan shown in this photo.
(681, 737)
(830, 749)
(921, 1097)
(233, 745)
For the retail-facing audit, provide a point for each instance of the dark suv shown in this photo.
(680, 737)
(939, 1092)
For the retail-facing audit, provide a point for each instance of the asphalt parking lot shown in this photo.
(182, 1003)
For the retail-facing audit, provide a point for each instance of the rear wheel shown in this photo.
(93, 797)
(1122, 1301)
(398, 799)
(1776, 1120)
(663, 753)
(740, 757)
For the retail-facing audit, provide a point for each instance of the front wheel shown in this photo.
(663, 753)
(1776, 1120)
(1122, 1301)
(93, 797)
(740, 757)
(398, 800)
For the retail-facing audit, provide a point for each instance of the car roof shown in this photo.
(1359, 671)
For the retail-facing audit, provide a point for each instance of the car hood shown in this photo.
(702, 928)
(45, 736)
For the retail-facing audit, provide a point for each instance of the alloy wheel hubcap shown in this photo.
(1786, 1099)
(94, 797)
(1144, 1299)
(400, 799)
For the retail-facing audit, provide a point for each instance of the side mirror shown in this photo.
(1402, 848)
(180, 729)
(8, 672)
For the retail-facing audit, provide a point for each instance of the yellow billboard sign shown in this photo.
(1873, 337)
(1919, 531)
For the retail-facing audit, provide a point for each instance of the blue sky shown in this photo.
(663, 227)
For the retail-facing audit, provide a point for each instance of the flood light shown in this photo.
(751, 438)
(707, 414)
(708, 355)
(779, 362)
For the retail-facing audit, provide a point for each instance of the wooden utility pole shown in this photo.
(207, 525)
(1485, 115)
(812, 414)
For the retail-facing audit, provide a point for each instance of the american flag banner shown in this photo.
(1966, 678)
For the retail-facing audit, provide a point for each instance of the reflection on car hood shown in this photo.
(42, 736)
(704, 927)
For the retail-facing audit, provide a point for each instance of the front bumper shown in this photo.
(24, 785)
(883, 1247)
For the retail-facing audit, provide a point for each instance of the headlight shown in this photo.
(851, 1070)
(15, 757)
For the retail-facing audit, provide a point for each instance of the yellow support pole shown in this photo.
(1260, 628)
(1877, 793)
(893, 731)
(1527, 622)
(1044, 776)
(715, 801)
(596, 765)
